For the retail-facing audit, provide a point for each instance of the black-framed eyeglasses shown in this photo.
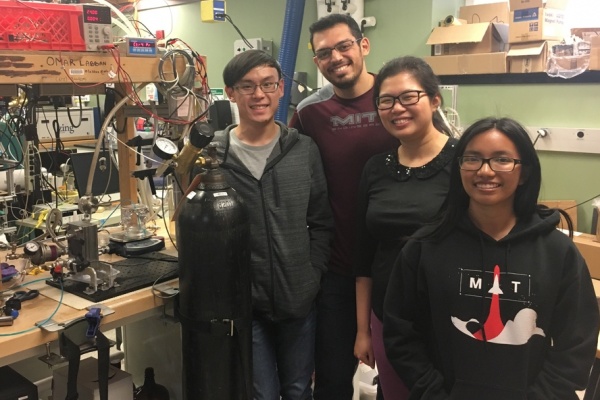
(250, 88)
(407, 98)
(341, 47)
(497, 164)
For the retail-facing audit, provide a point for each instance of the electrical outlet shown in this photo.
(570, 140)
(367, 22)
(240, 46)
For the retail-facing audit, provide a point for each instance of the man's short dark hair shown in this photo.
(242, 63)
(330, 21)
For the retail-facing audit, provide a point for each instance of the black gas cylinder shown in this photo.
(215, 302)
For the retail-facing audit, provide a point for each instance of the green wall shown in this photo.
(402, 28)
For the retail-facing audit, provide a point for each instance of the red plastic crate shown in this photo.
(41, 26)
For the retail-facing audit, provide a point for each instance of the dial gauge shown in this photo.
(164, 148)
(31, 248)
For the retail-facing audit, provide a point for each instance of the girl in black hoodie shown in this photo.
(492, 302)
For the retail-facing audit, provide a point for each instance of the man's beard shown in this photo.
(347, 83)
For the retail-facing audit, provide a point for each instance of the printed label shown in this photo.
(533, 27)
(526, 14)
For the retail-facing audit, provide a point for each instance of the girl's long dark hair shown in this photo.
(526, 196)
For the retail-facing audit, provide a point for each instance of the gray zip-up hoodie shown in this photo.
(291, 223)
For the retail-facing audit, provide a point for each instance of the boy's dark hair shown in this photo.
(330, 21)
(422, 73)
(242, 63)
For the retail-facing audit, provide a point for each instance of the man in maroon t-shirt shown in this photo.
(342, 120)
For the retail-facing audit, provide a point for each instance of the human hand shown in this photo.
(363, 350)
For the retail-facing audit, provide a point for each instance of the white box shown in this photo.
(120, 384)
(68, 132)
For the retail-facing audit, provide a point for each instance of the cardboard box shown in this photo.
(493, 12)
(594, 62)
(568, 59)
(120, 384)
(586, 33)
(590, 250)
(595, 54)
(569, 206)
(568, 63)
(533, 20)
(478, 38)
(528, 57)
(462, 64)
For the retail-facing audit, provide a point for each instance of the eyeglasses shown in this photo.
(249, 88)
(407, 98)
(497, 164)
(341, 47)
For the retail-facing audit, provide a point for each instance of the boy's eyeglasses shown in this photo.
(248, 88)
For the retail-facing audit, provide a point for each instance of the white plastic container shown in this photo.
(364, 389)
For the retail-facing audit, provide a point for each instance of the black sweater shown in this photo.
(393, 202)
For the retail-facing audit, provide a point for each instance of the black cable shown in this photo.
(56, 127)
(54, 189)
(109, 102)
(228, 18)
(11, 136)
(583, 202)
(178, 184)
(58, 148)
(80, 114)
(47, 130)
(137, 21)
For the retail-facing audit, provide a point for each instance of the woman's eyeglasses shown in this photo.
(497, 164)
(407, 98)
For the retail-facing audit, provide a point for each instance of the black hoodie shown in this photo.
(471, 318)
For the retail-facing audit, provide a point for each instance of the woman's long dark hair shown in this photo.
(526, 196)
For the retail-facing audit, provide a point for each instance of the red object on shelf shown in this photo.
(41, 26)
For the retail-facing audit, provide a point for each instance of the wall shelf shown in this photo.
(532, 78)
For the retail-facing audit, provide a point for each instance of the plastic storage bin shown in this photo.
(41, 26)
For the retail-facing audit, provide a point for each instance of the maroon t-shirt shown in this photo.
(348, 133)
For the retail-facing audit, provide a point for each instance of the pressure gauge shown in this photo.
(31, 248)
(164, 148)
